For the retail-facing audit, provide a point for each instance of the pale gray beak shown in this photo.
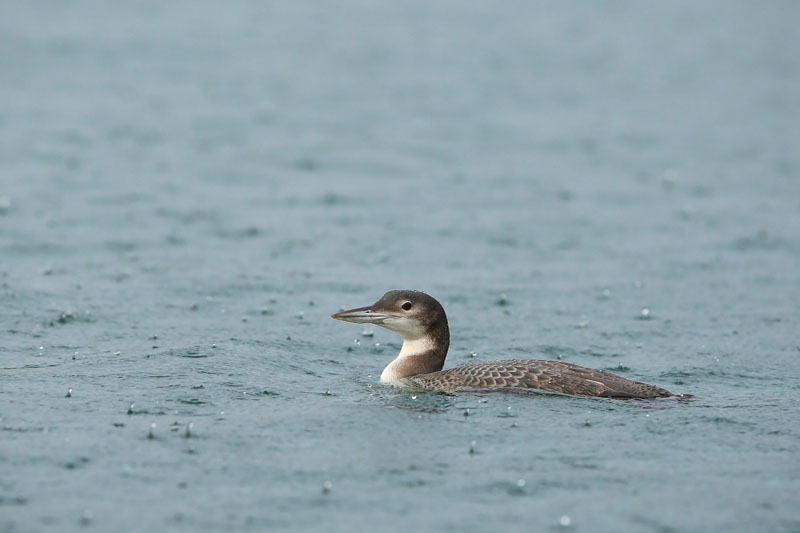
(362, 315)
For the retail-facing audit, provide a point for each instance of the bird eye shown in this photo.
(406, 306)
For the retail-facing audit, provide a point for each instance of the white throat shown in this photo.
(391, 375)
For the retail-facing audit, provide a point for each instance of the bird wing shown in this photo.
(552, 376)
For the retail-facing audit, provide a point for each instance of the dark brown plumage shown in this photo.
(551, 376)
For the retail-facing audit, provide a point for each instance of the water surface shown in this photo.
(188, 191)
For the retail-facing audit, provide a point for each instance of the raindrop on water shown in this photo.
(669, 179)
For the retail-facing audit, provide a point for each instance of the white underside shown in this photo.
(390, 374)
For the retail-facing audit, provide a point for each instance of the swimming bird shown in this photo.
(422, 323)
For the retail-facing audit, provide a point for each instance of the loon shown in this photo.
(422, 323)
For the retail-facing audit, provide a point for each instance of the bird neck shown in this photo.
(419, 356)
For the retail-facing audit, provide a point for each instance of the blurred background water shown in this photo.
(189, 189)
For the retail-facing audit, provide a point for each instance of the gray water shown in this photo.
(188, 191)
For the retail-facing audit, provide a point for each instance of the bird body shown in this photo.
(421, 321)
(551, 376)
